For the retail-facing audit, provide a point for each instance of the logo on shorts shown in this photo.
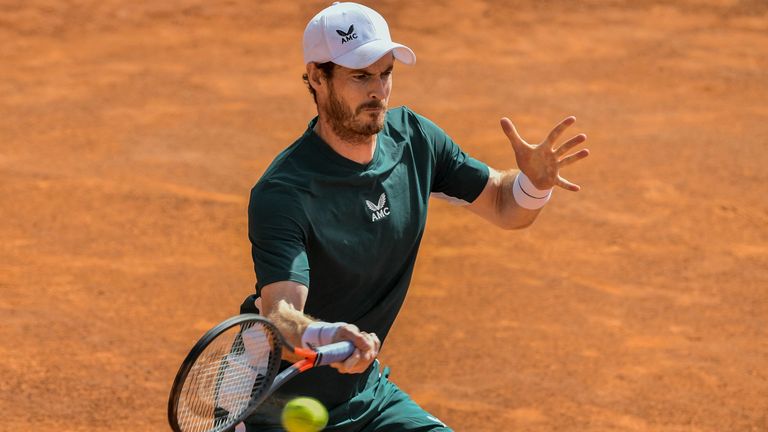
(378, 210)
(348, 35)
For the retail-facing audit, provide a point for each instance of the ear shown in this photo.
(315, 76)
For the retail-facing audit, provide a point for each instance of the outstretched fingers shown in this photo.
(571, 143)
(543, 161)
(511, 132)
(557, 131)
(565, 184)
(581, 154)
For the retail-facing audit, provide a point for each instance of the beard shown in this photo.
(349, 125)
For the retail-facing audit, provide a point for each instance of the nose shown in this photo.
(379, 88)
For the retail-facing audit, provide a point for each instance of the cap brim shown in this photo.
(366, 55)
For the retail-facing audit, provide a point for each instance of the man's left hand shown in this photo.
(541, 163)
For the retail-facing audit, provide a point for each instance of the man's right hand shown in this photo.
(367, 349)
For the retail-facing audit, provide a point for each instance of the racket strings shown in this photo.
(227, 377)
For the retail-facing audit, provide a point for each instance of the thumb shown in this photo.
(511, 133)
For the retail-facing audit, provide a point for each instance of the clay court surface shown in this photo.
(132, 132)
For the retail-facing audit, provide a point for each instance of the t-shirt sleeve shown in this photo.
(277, 230)
(456, 174)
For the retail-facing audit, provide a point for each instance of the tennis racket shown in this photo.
(233, 368)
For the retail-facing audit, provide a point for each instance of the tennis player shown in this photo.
(336, 220)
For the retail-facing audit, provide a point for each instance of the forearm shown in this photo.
(283, 304)
(291, 322)
(509, 213)
(498, 205)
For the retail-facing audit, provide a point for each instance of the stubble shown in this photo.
(351, 126)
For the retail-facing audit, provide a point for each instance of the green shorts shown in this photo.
(380, 407)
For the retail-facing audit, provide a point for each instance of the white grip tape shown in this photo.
(320, 333)
(527, 195)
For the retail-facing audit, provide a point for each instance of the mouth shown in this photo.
(372, 110)
(372, 107)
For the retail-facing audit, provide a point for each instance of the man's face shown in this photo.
(356, 101)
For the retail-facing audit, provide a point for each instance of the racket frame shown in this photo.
(311, 358)
(203, 343)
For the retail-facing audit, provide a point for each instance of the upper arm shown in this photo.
(455, 174)
(277, 228)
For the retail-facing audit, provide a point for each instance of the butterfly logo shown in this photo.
(378, 210)
(348, 32)
(376, 207)
(348, 35)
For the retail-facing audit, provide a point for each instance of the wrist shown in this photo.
(527, 195)
(320, 333)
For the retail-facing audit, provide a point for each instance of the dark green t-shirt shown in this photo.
(350, 232)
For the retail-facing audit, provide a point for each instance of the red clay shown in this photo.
(131, 133)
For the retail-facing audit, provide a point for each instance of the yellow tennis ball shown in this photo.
(304, 414)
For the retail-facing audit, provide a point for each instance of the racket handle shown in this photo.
(333, 353)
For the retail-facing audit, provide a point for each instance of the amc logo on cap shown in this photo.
(348, 35)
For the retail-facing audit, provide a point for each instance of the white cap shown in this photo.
(351, 35)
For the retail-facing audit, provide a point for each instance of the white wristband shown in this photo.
(320, 333)
(527, 195)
